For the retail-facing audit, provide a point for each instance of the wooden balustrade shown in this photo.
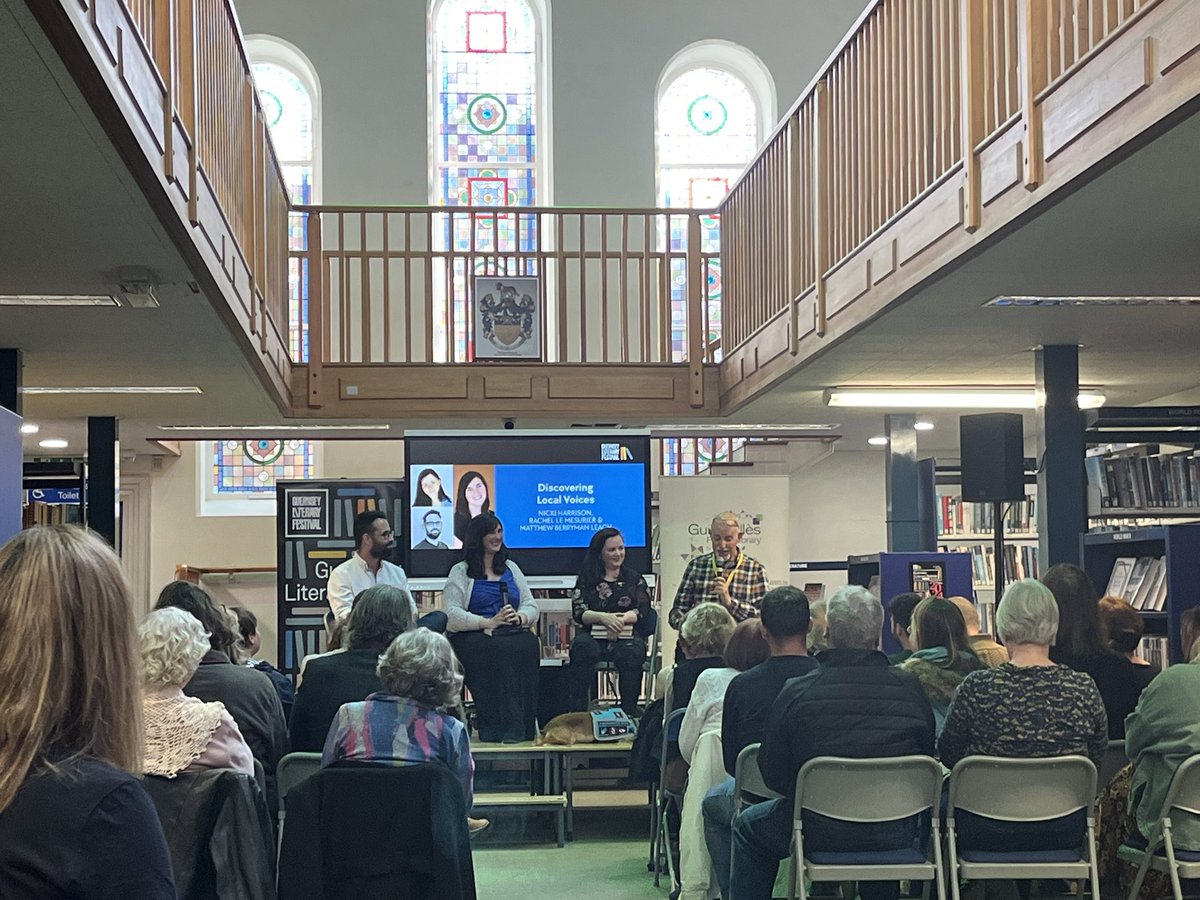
(913, 94)
(395, 284)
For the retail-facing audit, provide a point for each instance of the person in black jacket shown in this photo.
(378, 615)
(853, 705)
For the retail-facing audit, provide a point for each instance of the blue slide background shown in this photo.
(618, 501)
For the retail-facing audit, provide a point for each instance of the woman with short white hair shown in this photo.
(183, 734)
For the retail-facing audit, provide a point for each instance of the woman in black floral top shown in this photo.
(611, 604)
(1026, 707)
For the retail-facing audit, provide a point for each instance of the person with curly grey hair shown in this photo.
(182, 734)
(406, 724)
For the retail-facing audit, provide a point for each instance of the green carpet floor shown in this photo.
(516, 859)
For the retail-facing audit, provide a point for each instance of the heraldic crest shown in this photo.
(507, 312)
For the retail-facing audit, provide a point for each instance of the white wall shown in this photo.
(605, 60)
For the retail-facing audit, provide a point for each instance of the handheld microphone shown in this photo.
(504, 601)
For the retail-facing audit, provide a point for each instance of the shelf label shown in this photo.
(1123, 536)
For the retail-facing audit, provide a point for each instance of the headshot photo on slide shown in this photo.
(473, 494)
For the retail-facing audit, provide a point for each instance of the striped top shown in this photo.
(397, 731)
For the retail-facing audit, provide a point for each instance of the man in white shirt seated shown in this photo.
(369, 566)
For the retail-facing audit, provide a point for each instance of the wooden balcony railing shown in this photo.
(912, 96)
(616, 286)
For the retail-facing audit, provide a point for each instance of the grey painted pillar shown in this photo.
(10, 380)
(903, 484)
(103, 477)
(1062, 493)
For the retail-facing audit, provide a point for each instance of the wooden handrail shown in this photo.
(193, 574)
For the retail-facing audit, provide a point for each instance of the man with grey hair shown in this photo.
(854, 705)
(726, 576)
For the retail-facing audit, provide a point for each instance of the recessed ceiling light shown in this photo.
(58, 300)
(923, 426)
(948, 398)
(115, 389)
(1027, 301)
(272, 429)
(53, 443)
(879, 440)
(29, 428)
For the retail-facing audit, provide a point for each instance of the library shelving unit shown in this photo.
(53, 493)
(1178, 546)
(889, 574)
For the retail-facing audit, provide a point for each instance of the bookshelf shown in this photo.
(1178, 548)
(53, 493)
(889, 574)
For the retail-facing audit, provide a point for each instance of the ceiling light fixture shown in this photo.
(880, 440)
(1013, 302)
(271, 429)
(949, 398)
(29, 428)
(58, 300)
(803, 429)
(53, 444)
(923, 426)
(115, 389)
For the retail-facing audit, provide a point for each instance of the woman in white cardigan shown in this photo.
(491, 634)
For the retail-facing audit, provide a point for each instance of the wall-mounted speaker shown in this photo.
(992, 450)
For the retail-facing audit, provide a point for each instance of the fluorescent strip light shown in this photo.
(29, 428)
(53, 444)
(57, 300)
(750, 431)
(116, 389)
(1013, 302)
(879, 440)
(948, 398)
(271, 429)
(923, 426)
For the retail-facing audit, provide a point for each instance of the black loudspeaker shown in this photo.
(992, 449)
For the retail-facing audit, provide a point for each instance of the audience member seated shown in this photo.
(492, 637)
(816, 629)
(406, 724)
(379, 614)
(611, 598)
(854, 704)
(986, 650)
(182, 734)
(703, 635)
(248, 647)
(248, 695)
(1123, 626)
(1028, 707)
(940, 658)
(1082, 645)
(747, 648)
(335, 634)
(74, 822)
(1161, 732)
(748, 699)
(900, 611)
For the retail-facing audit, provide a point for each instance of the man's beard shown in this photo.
(433, 535)
(382, 552)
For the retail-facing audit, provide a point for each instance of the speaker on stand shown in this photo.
(991, 450)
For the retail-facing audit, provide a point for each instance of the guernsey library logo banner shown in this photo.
(686, 509)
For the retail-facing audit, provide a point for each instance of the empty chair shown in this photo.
(293, 769)
(1160, 852)
(1022, 818)
(866, 791)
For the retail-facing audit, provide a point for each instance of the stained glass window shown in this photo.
(288, 107)
(709, 128)
(253, 467)
(485, 145)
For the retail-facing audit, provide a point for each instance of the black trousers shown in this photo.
(627, 655)
(502, 675)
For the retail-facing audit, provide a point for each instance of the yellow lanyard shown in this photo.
(728, 579)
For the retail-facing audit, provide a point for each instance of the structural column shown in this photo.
(1061, 480)
(903, 484)
(103, 477)
(10, 380)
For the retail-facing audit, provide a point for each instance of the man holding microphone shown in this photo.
(726, 576)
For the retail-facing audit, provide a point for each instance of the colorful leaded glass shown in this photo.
(486, 141)
(253, 467)
(288, 108)
(708, 130)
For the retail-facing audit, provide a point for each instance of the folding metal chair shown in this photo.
(293, 769)
(1114, 761)
(662, 839)
(1184, 795)
(1016, 792)
(865, 791)
(748, 780)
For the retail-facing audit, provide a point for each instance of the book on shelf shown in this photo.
(1142, 477)
(1142, 582)
(1155, 650)
(962, 517)
(1019, 562)
(1119, 578)
(555, 630)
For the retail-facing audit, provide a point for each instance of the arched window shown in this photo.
(715, 103)
(488, 144)
(290, 96)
